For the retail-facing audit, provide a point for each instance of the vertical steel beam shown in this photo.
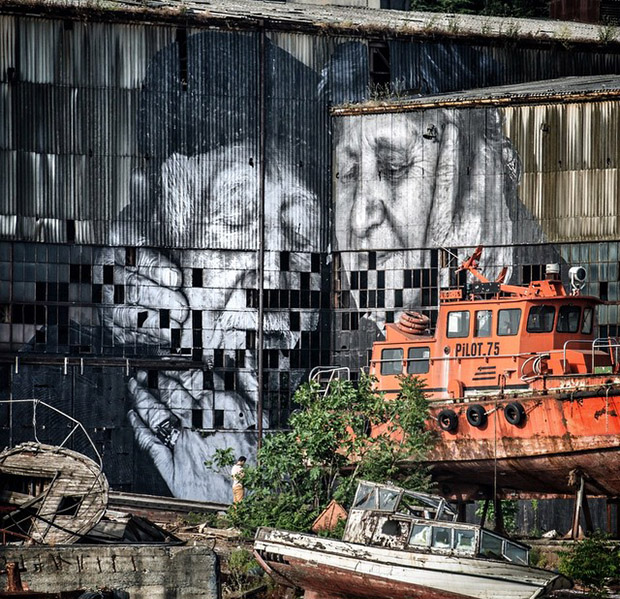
(262, 121)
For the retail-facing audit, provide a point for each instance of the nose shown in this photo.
(369, 206)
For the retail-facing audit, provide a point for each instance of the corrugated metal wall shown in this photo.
(114, 136)
(570, 179)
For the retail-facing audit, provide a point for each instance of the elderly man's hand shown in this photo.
(153, 300)
(161, 419)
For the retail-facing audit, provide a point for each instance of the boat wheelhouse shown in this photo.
(523, 394)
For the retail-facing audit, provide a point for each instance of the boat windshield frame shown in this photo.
(392, 499)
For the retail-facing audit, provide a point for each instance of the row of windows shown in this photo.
(418, 359)
(540, 319)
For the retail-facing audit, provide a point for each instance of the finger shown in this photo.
(150, 409)
(132, 324)
(143, 291)
(178, 393)
(158, 268)
(158, 452)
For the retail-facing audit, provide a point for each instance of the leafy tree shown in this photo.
(335, 438)
(592, 562)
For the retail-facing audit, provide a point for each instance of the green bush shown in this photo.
(592, 562)
(300, 471)
(241, 567)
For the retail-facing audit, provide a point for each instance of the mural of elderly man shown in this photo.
(192, 286)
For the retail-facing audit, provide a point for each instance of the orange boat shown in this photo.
(523, 395)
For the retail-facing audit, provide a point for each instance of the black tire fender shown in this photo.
(514, 413)
(476, 415)
(447, 420)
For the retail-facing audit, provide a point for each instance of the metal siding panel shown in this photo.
(570, 178)
(7, 45)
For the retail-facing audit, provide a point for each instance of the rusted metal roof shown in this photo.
(278, 15)
(566, 89)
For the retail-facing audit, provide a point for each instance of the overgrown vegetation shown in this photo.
(510, 508)
(498, 8)
(242, 567)
(592, 562)
(335, 438)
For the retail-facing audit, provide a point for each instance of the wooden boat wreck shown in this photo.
(399, 544)
(523, 395)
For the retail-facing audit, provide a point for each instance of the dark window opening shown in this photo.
(152, 380)
(196, 418)
(379, 63)
(69, 505)
(70, 231)
(218, 418)
(182, 41)
(130, 256)
(196, 277)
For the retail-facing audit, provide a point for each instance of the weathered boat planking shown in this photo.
(522, 394)
(395, 549)
(49, 494)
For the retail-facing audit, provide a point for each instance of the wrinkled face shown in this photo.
(212, 200)
(387, 177)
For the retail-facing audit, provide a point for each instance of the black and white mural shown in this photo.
(409, 181)
(181, 270)
(160, 185)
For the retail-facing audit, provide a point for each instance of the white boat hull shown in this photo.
(326, 568)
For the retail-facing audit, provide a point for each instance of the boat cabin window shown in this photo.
(465, 541)
(508, 321)
(365, 498)
(540, 319)
(392, 361)
(515, 553)
(568, 319)
(491, 545)
(586, 327)
(420, 535)
(483, 323)
(388, 498)
(458, 324)
(417, 360)
(442, 537)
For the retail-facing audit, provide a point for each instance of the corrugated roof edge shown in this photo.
(244, 14)
(565, 89)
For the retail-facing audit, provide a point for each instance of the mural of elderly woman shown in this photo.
(422, 179)
(410, 182)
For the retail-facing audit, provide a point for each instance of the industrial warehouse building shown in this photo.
(201, 204)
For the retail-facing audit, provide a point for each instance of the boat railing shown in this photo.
(609, 344)
(324, 376)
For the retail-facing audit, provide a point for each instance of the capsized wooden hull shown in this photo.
(335, 569)
(560, 433)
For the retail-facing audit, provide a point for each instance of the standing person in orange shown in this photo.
(237, 479)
